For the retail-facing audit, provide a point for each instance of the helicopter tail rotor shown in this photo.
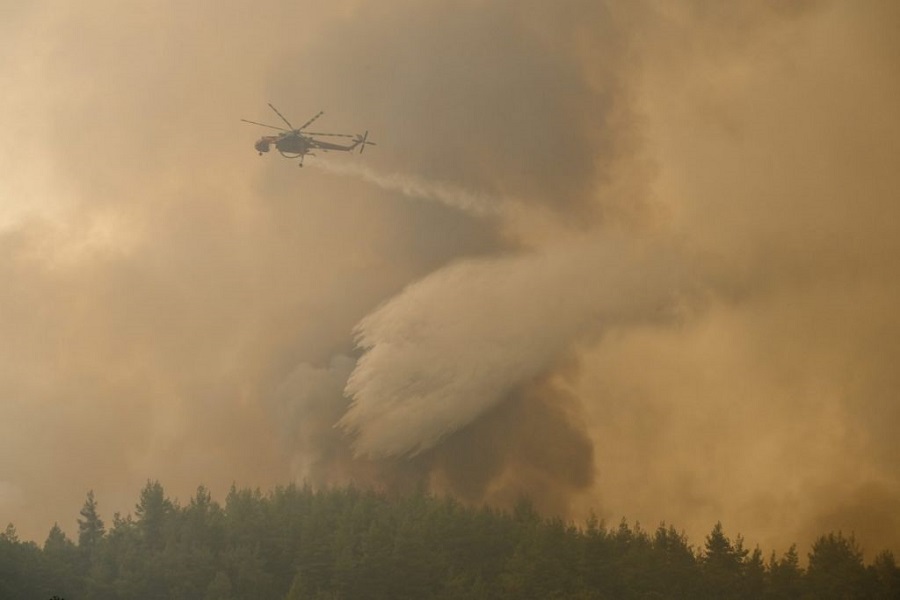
(361, 140)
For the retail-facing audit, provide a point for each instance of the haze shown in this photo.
(635, 258)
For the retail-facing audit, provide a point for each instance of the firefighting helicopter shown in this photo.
(296, 142)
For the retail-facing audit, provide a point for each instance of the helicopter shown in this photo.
(298, 143)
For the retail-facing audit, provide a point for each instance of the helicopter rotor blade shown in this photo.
(308, 123)
(330, 134)
(264, 125)
(282, 117)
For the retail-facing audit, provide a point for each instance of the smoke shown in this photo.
(308, 404)
(648, 270)
(534, 444)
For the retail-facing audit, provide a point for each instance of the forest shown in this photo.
(296, 542)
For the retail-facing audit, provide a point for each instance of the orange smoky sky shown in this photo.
(630, 258)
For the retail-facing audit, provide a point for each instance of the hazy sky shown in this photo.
(635, 258)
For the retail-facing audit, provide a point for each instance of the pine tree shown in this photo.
(57, 541)
(61, 564)
(885, 576)
(836, 568)
(784, 576)
(753, 576)
(90, 528)
(10, 535)
(722, 564)
(153, 512)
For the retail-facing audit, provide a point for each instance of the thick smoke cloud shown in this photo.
(634, 258)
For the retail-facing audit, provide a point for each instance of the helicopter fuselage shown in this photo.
(293, 144)
(286, 144)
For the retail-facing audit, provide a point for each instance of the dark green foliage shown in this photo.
(885, 577)
(90, 526)
(342, 543)
(61, 564)
(784, 577)
(675, 572)
(722, 563)
(836, 569)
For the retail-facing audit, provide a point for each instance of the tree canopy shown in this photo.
(297, 542)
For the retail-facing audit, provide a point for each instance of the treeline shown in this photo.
(346, 543)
